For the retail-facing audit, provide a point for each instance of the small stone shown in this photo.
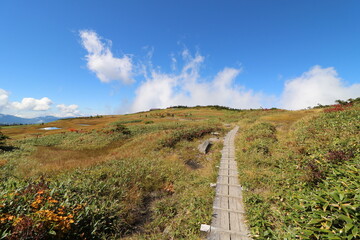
(167, 230)
(204, 147)
(213, 140)
(205, 228)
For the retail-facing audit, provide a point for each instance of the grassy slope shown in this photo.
(301, 172)
(113, 185)
(98, 183)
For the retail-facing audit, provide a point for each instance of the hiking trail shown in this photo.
(228, 221)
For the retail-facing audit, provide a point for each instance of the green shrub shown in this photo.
(2, 138)
(122, 129)
(127, 121)
(186, 134)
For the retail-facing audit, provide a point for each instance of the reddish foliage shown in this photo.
(27, 229)
(314, 173)
(337, 108)
(338, 156)
(249, 139)
(33, 188)
(73, 130)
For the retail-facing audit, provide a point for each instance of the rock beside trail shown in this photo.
(204, 147)
(214, 140)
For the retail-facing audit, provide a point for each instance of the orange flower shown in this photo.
(36, 203)
(169, 188)
(51, 200)
(7, 217)
(17, 221)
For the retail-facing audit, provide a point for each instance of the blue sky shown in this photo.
(69, 58)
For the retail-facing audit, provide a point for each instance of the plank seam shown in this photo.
(229, 210)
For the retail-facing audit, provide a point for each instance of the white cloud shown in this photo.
(101, 61)
(42, 104)
(31, 107)
(4, 98)
(318, 85)
(68, 111)
(188, 88)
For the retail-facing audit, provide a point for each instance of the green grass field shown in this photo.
(140, 176)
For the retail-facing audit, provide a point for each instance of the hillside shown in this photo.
(140, 176)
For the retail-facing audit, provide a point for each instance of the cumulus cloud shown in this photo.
(68, 110)
(101, 61)
(318, 85)
(31, 107)
(4, 98)
(188, 88)
(42, 104)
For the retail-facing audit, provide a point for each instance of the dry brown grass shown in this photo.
(284, 119)
(288, 116)
(2, 162)
(26, 131)
(53, 159)
(48, 160)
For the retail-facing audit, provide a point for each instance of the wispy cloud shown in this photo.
(184, 84)
(188, 88)
(68, 110)
(4, 98)
(101, 61)
(318, 85)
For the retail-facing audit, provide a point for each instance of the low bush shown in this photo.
(2, 138)
(186, 134)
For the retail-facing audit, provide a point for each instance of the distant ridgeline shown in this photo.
(217, 107)
(13, 120)
(348, 102)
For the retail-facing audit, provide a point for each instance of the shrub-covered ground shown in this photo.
(302, 177)
(140, 176)
(131, 177)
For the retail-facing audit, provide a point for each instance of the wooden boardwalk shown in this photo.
(228, 221)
